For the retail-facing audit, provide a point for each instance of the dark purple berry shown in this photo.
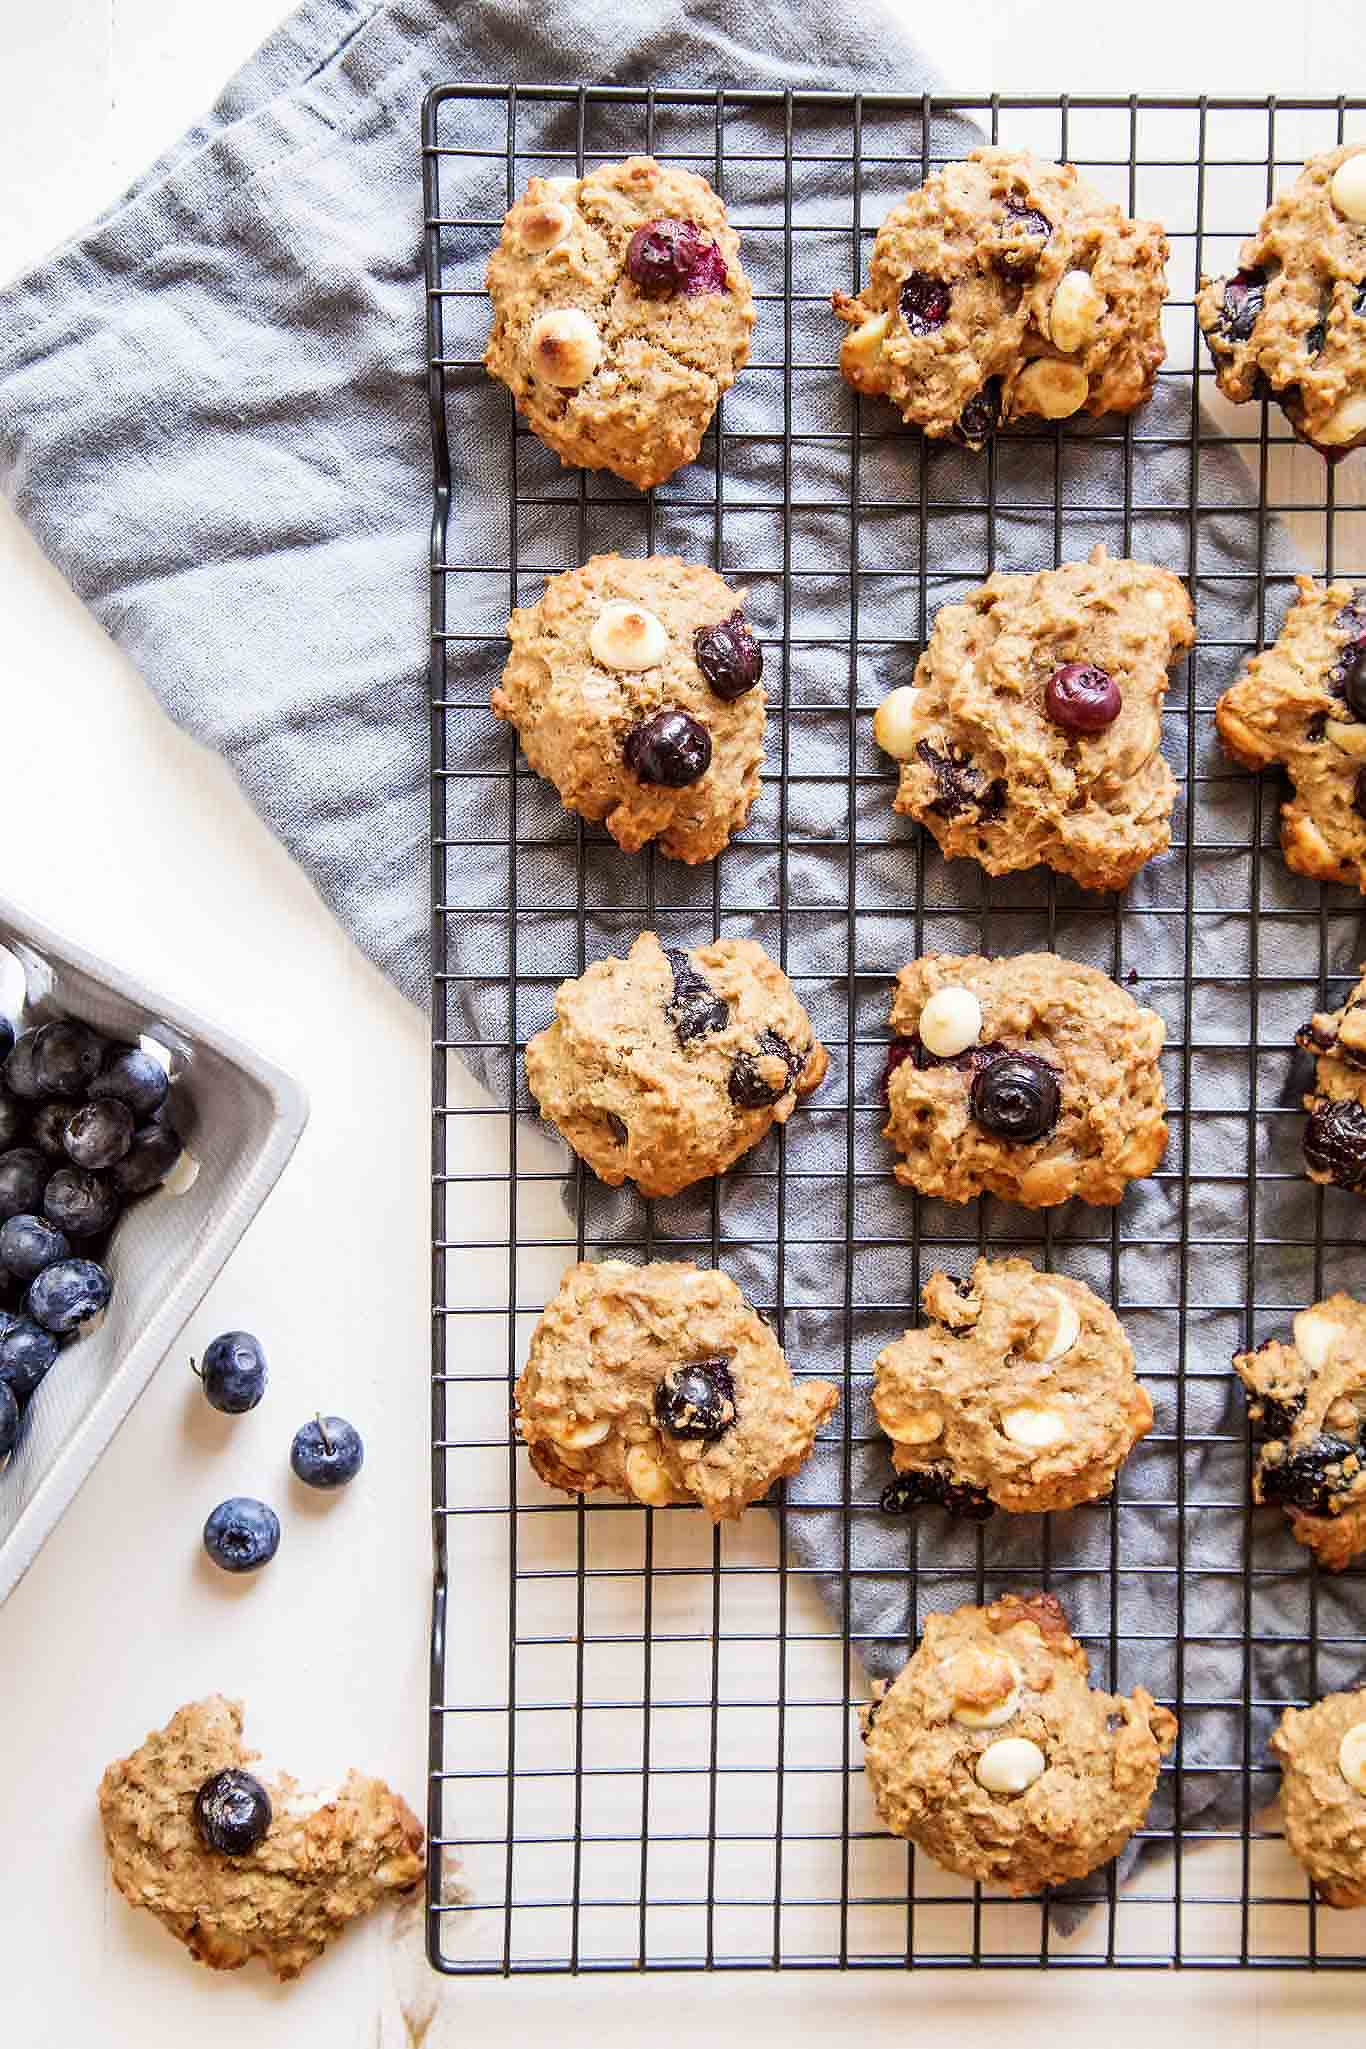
(7, 1038)
(729, 656)
(1023, 226)
(960, 786)
(232, 1813)
(131, 1076)
(936, 1486)
(672, 748)
(20, 1078)
(1082, 698)
(242, 1534)
(83, 1205)
(23, 1177)
(981, 415)
(327, 1453)
(26, 1353)
(1352, 672)
(9, 1420)
(1017, 1097)
(924, 302)
(66, 1057)
(68, 1294)
(47, 1128)
(899, 1050)
(1244, 298)
(694, 1009)
(155, 1149)
(28, 1244)
(616, 1127)
(1310, 1479)
(696, 1400)
(14, 1121)
(1316, 337)
(98, 1134)
(1335, 1143)
(667, 256)
(1270, 1417)
(750, 1088)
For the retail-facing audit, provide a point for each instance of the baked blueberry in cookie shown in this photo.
(1290, 323)
(1005, 286)
(621, 313)
(633, 685)
(1035, 1079)
(1322, 1753)
(660, 1382)
(664, 1067)
(993, 1753)
(1306, 1405)
(1335, 1136)
(1033, 728)
(1019, 1392)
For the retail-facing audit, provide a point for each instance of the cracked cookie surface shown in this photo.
(1020, 1388)
(665, 1067)
(1033, 729)
(1322, 1753)
(323, 1862)
(660, 1382)
(1306, 1405)
(1335, 1136)
(615, 370)
(1050, 1090)
(608, 649)
(1301, 704)
(992, 1752)
(1290, 323)
(1006, 286)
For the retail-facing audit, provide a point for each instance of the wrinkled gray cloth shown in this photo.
(213, 416)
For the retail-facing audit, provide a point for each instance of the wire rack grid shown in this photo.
(644, 1732)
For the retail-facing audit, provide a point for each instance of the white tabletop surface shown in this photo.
(116, 828)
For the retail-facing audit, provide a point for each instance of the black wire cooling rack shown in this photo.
(643, 1732)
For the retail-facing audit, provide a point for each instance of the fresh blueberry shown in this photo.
(13, 1121)
(233, 1373)
(327, 1452)
(936, 1486)
(1082, 698)
(1309, 1479)
(696, 1400)
(23, 1177)
(242, 1535)
(6, 1038)
(749, 1087)
(66, 1057)
(47, 1128)
(131, 1076)
(981, 416)
(26, 1352)
(98, 1134)
(1335, 1143)
(9, 1420)
(1016, 1097)
(672, 749)
(729, 656)
(28, 1244)
(1244, 298)
(694, 1010)
(232, 1812)
(924, 302)
(155, 1149)
(68, 1294)
(19, 1073)
(81, 1204)
(667, 256)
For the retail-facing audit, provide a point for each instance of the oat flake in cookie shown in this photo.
(1019, 1393)
(1290, 323)
(993, 1754)
(1322, 1752)
(636, 689)
(1050, 1088)
(664, 1067)
(1005, 286)
(661, 1383)
(1033, 730)
(621, 314)
(1301, 704)
(1306, 1405)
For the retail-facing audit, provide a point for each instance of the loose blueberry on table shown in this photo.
(232, 1812)
(242, 1534)
(232, 1372)
(328, 1452)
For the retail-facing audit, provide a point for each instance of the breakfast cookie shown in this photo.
(1033, 729)
(621, 314)
(661, 1383)
(634, 688)
(1322, 1752)
(1306, 1409)
(282, 1895)
(1020, 1394)
(992, 1752)
(1035, 1079)
(1290, 324)
(1302, 704)
(1005, 286)
(1335, 1136)
(664, 1067)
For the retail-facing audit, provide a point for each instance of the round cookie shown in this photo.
(635, 688)
(1046, 1085)
(992, 1752)
(621, 313)
(1322, 1752)
(1290, 324)
(1335, 1136)
(1033, 729)
(1020, 1393)
(664, 1067)
(1302, 704)
(661, 1383)
(1306, 1410)
(1005, 286)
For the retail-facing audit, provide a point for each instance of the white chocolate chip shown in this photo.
(1344, 423)
(1348, 739)
(1010, 1765)
(1348, 189)
(540, 227)
(1316, 1337)
(647, 1479)
(1035, 1429)
(863, 347)
(627, 636)
(565, 347)
(580, 1436)
(894, 723)
(1057, 390)
(1076, 311)
(950, 1021)
(1352, 1749)
(1059, 1327)
(973, 1668)
(918, 1426)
